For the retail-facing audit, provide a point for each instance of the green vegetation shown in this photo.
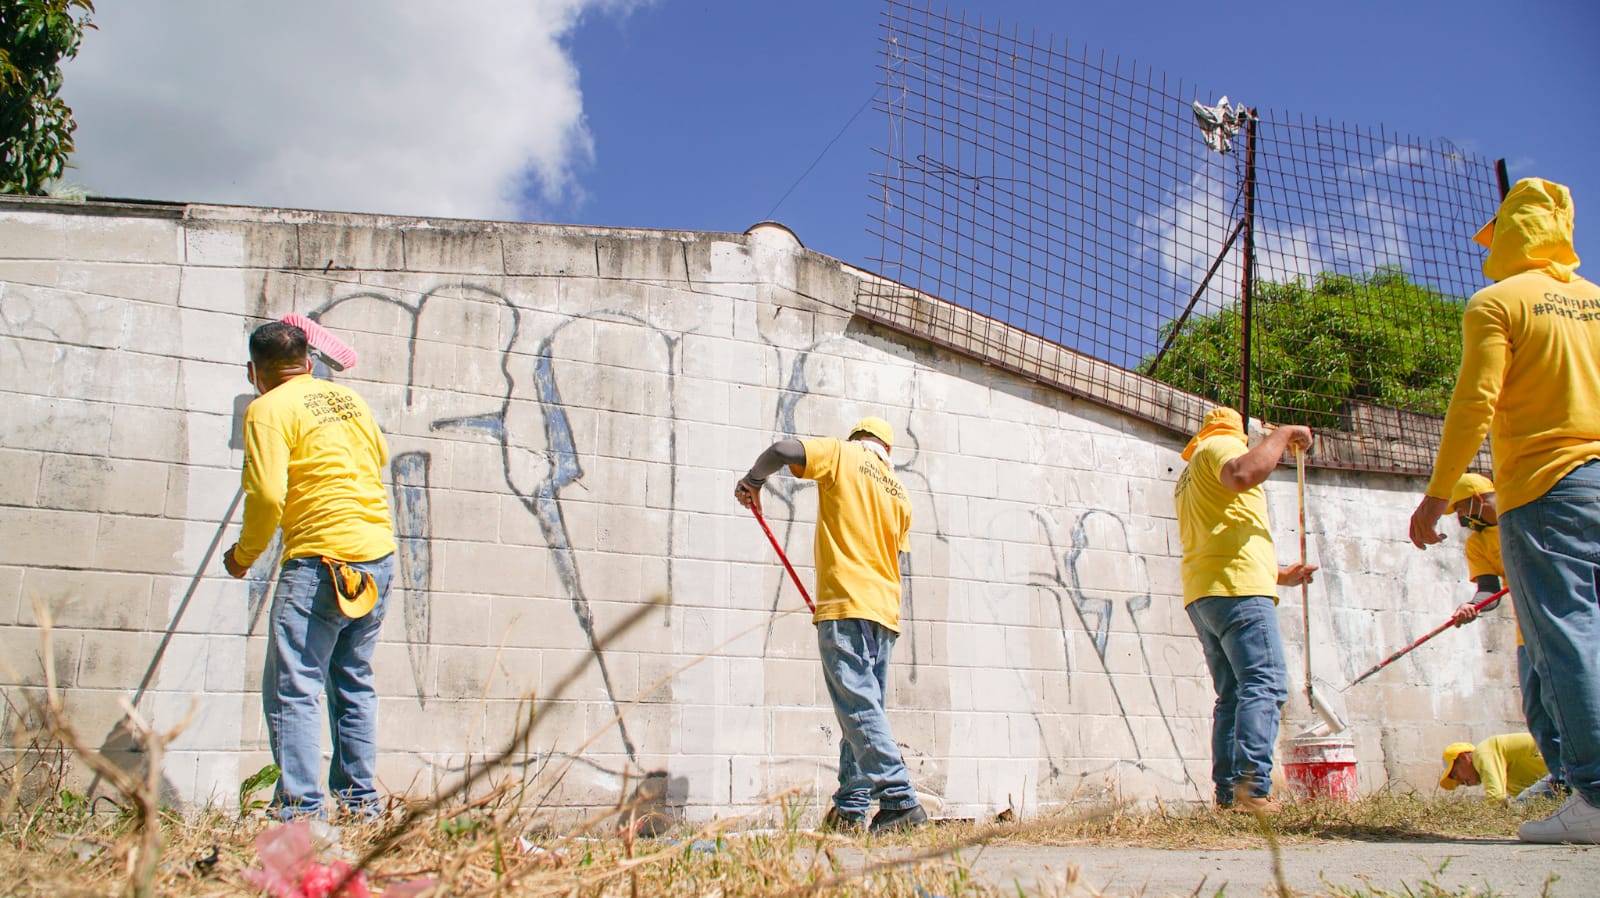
(1376, 338)
(35, 125)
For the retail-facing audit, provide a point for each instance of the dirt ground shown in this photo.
(1494, 866)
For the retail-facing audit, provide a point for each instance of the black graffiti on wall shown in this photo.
(1094, 615)
(536, 378)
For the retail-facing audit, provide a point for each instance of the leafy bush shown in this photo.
(1320, 345)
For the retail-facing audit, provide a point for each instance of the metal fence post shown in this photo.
(1247, 278)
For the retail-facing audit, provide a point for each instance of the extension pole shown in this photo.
(1247, 279)
(1427, 636)
(783, 558)
(1305, 594)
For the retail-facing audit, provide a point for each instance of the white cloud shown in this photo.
(429, 108)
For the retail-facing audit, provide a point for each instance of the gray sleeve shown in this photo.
(783, 452)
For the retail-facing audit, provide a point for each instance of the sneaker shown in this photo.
(896, 820)
(837, 821)
(1578, 822)
(1255, 804)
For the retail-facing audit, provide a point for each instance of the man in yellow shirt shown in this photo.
(313, 459)
(1503, 765)
(1530, 378)
(1230, 591)
(863, 520)
(1473, 503)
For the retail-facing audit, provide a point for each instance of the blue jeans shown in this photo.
(1551, 548)
(1244, 652)
(311, 648)
(855, 665)
(1535, 711)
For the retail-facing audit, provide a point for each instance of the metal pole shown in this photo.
(1247, 280)
(1504, 178)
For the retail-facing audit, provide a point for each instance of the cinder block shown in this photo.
(22, 650)
(638, 257)
(88, 483)
(343, 246)
(88, 599)
(10, 594)
(61, 316)
(149, 545)
(488, 569)
(48, 538)
(19, 476)
(54, 424)
(201, 494)
(33, 235)
(546, 254)
(141, 285)
(124, 239)
(236, 291)
(240, 244)
(115, 659)
(464, 248)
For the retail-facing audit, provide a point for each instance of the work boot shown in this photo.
(1255, 804)
(899, 819)
(837, 821)
(1578, 822)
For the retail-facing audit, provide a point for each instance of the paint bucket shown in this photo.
(1321, 767)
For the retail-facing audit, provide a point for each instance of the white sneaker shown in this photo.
(1578, 821)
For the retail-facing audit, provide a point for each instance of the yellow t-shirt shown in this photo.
(1483, 557)
(863, 519)
(1530, 364)
(1508, 764)
(1227, 545)
(313, 461)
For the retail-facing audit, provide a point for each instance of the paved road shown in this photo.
(1512, 869)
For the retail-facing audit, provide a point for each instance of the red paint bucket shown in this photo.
(1322, 767)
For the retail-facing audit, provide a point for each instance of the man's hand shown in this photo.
(1296, 574)
(1424, 521)
(1296, 436)
(748, 493)
(1466, 614)
(235, 569)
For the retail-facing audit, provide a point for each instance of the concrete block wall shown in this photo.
(568, 409)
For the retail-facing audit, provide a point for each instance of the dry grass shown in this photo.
(61, 848)
(56, 843)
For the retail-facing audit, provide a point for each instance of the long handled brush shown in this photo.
(1425, 637)
(783, 558)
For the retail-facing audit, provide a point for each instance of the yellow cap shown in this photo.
(1451, 752)
(1468, 486)
(876, 427)
(356, 590)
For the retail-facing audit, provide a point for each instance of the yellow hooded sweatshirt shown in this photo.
(1530, 357)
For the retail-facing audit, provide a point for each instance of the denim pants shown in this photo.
(313, 648)
(1535, 710)
(1551, 548)
(1244, 652)
(855, 665)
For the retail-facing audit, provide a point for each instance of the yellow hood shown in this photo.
(1532, 232)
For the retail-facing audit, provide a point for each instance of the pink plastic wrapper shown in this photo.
(289, 868)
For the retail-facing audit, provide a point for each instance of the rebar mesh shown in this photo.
(1065, 198)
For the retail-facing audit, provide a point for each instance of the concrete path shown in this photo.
(1510, 868)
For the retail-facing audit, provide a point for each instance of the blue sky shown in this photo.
(704, 112)
(700, 114)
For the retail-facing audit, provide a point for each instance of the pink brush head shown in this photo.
(336, 352)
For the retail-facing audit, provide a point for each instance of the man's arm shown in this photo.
(1488, 585)
(1485, 349)
(776, 456)
(1251, 469)
(265, 481)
